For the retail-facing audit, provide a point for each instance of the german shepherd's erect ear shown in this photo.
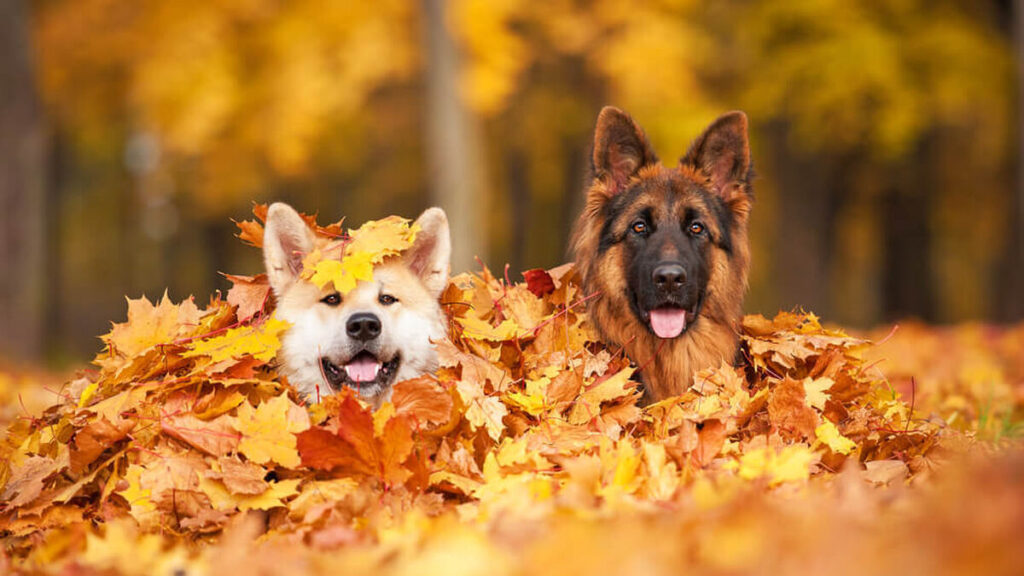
(431, 253)
(621, 149)
(286, 241)
(722, 153)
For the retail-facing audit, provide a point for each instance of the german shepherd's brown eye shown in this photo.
(387, 299)
(696, 228)
(639, 227)
(332, 299)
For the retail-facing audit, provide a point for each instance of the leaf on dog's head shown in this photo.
(370, 244)
(344, 274)
(251, 231)
(382, 238)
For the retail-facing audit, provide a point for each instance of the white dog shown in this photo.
(381, 332)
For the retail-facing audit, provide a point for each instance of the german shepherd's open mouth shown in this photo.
(670, 320)
(363, 371)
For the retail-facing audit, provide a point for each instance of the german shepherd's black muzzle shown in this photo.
(669, 279)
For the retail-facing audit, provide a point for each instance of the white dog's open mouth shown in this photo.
(364, 372)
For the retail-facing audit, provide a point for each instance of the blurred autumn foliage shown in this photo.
(884, 134)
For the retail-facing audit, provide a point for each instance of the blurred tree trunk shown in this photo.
(454, 156)
(907, 278)
(1011, 279)
(520, 200)
(806, 214)
(22, 193)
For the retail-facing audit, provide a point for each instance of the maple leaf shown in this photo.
(382, 238)
(248, 294)
(374, 444)
(26, 483)
(149, 325)
(343, 274)
(789, 411)
(614, 387)
(830, 436)
(482, 330)
(261, 341)
(273, 496)
(251, 231)
(482, 411)
(268, 431)
(422, 400)
(539, 282)
(790, 464)
(239, 477)
(217, 436)
(815, 389)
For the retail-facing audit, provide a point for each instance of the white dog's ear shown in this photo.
(431, 254)
(286, 241)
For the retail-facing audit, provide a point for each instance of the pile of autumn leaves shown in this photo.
(185, 452)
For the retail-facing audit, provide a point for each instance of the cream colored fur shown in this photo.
(409, 327)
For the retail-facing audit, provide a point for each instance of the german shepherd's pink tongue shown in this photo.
(668, 322)
(362, 368)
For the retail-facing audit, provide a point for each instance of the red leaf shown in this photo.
(539, 282)
(322, 450)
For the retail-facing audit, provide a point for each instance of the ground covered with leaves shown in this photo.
(528, 452)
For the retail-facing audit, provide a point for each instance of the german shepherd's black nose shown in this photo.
(669, 277)
(363, 326)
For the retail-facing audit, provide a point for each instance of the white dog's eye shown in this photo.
(387, 299)
(332, 299)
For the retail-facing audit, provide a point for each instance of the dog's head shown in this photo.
(665, 230)
(380, 332)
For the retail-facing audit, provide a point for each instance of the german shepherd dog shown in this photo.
(666, 248)
(381, 332)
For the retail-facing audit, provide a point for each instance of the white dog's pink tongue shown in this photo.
(668, 322)
(362, 369)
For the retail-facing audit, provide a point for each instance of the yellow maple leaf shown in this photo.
(344, 274)
(382, 238)
(830, 436)
(588, 405)
(482, 411)
(149, 325)
(272, 497)
(268, 431)
(790, 464)
(260, 341)
(533, 399)
(815, 389)
(478, 329)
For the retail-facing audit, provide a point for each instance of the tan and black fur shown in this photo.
(667, 246)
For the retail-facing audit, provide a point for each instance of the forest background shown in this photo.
(886, 137)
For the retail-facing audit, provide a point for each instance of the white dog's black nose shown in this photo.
(363, 326)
